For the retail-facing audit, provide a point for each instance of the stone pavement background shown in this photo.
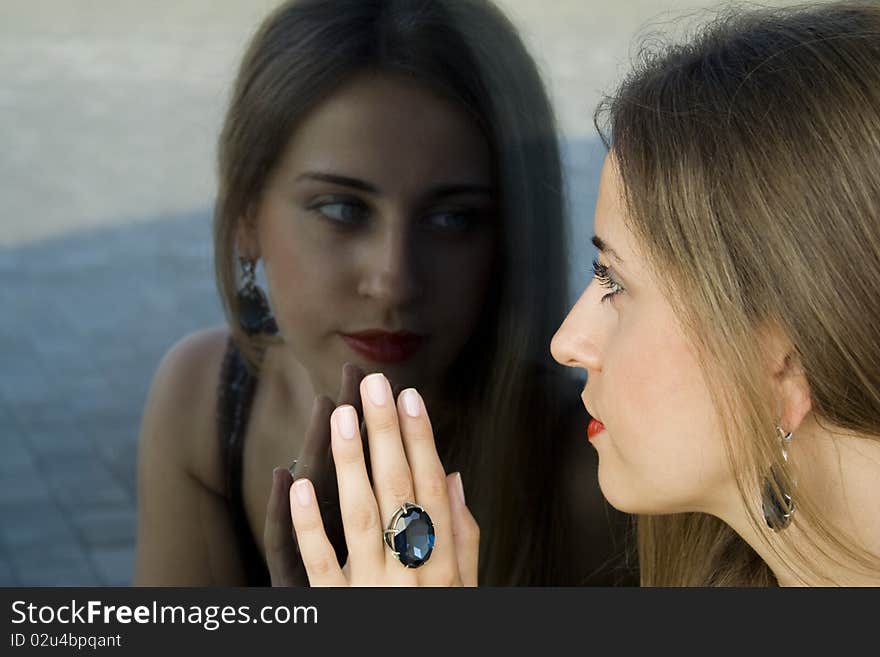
(108, 114)
(87, 318)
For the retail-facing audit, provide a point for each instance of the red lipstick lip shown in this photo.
(384, 346)
(594, 428)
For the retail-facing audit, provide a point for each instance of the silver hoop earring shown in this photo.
(254, 315)
(776, 502)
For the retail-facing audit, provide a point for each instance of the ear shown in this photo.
(790, 386)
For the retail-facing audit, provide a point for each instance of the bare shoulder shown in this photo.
(182, 405)
(185, 536)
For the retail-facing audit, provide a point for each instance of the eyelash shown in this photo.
(602, 274)
(466, 218)
(341, 223)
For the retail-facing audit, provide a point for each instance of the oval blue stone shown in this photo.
(414, 540)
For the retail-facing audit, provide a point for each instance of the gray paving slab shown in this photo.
(7, 573)
(33, 526)
(55, 563)
(23, 488)
(105, 527)
(114, 565)
(84, 480)
(74, 383)
(16, 457)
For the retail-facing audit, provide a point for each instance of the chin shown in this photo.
(629, 497)
(625, 494)
(613, 492)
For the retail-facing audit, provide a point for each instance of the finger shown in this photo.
(391, 475)
(313, 461)
(429, 481)
(317, 553)
(392, 481)
(465, 532)
(360, 514)
(316, 463)
(350, 394)
(349, 390)
(353, 397)
(282, 553)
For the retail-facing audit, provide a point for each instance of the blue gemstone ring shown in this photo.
(410, 535)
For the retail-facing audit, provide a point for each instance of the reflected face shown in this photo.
(660, 451)
(377, 233)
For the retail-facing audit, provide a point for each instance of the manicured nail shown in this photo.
(304, 492)
(346, 422)
(412, 402)
(377, 389)
(458, 486)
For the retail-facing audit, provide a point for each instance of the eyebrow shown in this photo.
(441, 191)
(344, 181)
(600, 244)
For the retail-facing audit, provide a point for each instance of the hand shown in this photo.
(316, 462)
(405, 468)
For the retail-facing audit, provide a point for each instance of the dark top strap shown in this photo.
(236, 393)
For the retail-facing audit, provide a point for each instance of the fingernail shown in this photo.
(304, 492)
(459, 487)
(346, 422)
(377, 389)
(412, 402)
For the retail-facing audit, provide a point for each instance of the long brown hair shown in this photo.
(468, 51)
(750, 161)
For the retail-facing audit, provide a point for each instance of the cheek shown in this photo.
(457, 283)
(302, 277)
(663, 449)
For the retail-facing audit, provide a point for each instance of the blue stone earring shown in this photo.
(254, 315)
(776, 502)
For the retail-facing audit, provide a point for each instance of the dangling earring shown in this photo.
(254, 315)
(776, 502)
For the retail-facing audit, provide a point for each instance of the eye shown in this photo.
(452, 221)
(606, 279)
(346, 212)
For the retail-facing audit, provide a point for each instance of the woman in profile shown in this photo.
(394, 167)
(730, 334)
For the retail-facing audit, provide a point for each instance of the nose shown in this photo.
(388, 275)
(576, 342)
